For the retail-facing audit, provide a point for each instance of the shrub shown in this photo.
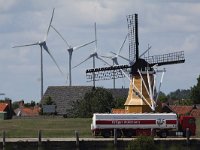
(142, 143)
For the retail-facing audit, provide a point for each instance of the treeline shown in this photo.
(183, 97)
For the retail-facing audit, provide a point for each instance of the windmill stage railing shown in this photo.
(166, 59)
(107, 73)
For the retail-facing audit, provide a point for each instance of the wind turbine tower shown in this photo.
(70, 50)
(43, 45)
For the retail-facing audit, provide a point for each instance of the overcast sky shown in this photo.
(166, 25)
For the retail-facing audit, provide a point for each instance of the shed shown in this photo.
(64, 96)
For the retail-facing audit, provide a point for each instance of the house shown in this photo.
(27, 111)
(182, 110)
(64, 96)
(195, 113)
(3, 111)
(185, 110)
(6, 111)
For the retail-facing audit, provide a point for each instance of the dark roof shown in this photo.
(63, 96)
(166, 108)
(119, 93)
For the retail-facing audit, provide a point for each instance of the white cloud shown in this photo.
(165, 25)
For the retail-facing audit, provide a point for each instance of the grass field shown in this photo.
(52, 127)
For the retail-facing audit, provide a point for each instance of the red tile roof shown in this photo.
(195, 113)
(182, 110)
(3, 106)
(118, 111)
(34, 111)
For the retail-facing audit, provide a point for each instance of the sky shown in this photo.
(166, 25)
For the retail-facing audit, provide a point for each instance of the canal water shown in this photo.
(98, 145)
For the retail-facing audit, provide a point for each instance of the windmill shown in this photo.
(43, 46)
(93, 56)
(115, 58)
(142, 96)
(70, 49)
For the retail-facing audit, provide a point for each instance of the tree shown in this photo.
(179, 94)
(119, 103)
(49, 101)
(98, 100)
(162, 97)
(15, 105)
(195, 92)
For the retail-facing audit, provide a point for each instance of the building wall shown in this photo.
(3, 115)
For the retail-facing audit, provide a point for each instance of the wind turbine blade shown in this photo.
(95, 30)
(103, 61)
(25, 45)
(122, 45)
(82, 62)
(149, 47)
(120, 56)
(47, 50)
(60, 36)
(77, 47)
(106, 56)
(45, 38)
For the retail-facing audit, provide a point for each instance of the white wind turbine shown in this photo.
(70, 50)
(93, 55)
(43, 45)
(115, 58)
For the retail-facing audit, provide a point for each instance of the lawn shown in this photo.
(52, 127)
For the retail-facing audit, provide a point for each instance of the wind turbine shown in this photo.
(70, 50)
(93, 56)
(43, 45)
(115, 58)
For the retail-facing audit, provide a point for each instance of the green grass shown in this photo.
(50, 127)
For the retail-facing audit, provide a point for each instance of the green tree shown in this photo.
(162, 97)
(15, 105)
(119, 103)
(195, 92)
(179, 94)
(49, 101)
(98, 100)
